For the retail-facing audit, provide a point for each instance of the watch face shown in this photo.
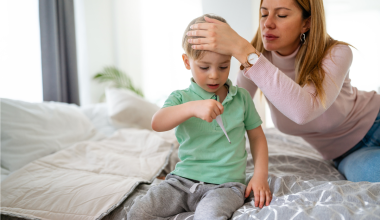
(252, 58)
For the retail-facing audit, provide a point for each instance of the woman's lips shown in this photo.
(213, 86)
(270, 37)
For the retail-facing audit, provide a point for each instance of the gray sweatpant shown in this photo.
(176, 195)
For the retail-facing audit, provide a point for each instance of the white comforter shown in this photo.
(86, 180)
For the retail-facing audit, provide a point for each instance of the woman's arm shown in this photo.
(301, 104)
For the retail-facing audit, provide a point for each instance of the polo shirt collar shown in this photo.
(209, 95)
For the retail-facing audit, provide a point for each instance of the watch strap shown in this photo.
(247, 64)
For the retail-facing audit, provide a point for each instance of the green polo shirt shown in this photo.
(205, 153)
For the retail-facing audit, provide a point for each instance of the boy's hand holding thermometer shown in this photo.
(210, 110)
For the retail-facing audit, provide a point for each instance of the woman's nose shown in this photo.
(269, 22)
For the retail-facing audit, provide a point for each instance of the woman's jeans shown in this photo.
(362, 162)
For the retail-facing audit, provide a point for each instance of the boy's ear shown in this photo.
(186, 61)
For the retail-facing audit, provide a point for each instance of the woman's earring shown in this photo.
(303, 38)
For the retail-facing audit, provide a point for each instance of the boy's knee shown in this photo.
(133, 214)
(214, 213)
(134, 211)
(137, 211)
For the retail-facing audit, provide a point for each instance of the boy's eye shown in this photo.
(223, 67)
(264, 15)
(282, 16)
(203, 68)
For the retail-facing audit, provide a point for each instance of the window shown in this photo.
(21, 75)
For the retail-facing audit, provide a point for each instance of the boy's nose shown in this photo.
(213, 75)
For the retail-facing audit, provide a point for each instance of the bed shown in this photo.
(61, 161)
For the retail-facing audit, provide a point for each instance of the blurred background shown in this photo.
(143, 39)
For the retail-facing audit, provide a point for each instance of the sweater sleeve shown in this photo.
(246, 83)
(301, 104)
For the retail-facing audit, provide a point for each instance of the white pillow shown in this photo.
(129, 110)
(98, 115)
(32, 130)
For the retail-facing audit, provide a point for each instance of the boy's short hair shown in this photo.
(196, 54)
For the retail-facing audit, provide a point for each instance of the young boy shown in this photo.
(210, 178)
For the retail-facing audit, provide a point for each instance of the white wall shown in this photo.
(94, 35)
(357, 23)
(127, 17)
(163, 25)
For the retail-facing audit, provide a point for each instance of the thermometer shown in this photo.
(220, 122)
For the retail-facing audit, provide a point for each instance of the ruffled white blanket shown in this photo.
(88, 180)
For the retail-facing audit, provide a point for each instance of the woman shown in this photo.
(304, 74)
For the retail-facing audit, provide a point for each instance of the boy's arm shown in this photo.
(170, 117)
(259, 182)
(259, 151)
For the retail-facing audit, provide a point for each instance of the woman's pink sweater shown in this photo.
(296, 110)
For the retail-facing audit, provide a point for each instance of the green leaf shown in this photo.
(117, 79)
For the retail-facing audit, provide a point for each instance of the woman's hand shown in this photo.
(261, 191)
(219, 37)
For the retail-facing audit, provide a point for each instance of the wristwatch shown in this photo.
(251, 59)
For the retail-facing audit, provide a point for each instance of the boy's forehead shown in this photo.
(212, 57)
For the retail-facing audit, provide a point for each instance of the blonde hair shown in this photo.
(190, 52)
(318, 44)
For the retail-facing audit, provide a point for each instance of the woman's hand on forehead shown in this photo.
(205, 26)
(217, 37)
